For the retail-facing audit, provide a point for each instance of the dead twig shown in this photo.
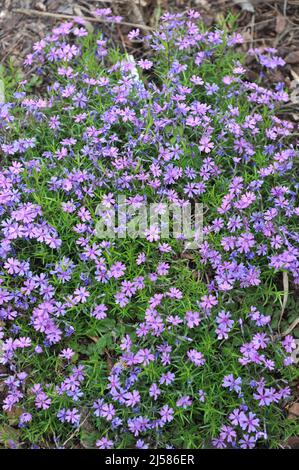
(76, 431)
(136, 12)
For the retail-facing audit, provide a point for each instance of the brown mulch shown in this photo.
(263, 23)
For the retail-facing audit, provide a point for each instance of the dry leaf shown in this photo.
(295, 82)
(293, 442)
(95, 339)
(40, 6)
(14, 414)
(294, 410)
(292, 57)
(203, 3)
(294, 96)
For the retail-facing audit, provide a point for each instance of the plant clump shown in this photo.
(121, 343)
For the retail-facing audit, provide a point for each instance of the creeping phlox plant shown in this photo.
(123, 343)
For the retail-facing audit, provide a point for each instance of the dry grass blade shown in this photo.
(285, 281)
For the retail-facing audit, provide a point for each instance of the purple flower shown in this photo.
(166, 414)
(231, 383)
(196, 357)
(104, 443)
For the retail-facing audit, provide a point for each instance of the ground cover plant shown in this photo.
(121, 343)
